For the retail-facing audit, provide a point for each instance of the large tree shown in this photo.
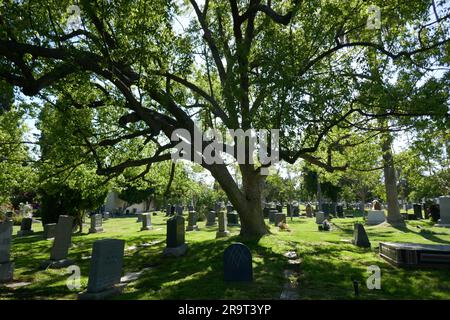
(252, 64)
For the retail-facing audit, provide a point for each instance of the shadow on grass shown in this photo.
(199, 274)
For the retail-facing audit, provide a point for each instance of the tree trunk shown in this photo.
(390, 182)
(247, 202)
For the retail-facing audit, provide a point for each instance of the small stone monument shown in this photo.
(6, 265)
(237, 263)
(272, 213)
(444, 207)
(106, 215)
(96, 223)
(175, 245)
(417, 208)
(105, 270)
(320, 217)
(360, 237)
(168, 210)
(192, 221)
(25, 227)
(49, 231)
(146, 221)
(233, 219)
(61, 244)
(279, 218)
(375, 217)
(211, 219)
(223, 232)
(179, 210)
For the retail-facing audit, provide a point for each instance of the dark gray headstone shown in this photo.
(49, 231)
(179, 210)
(106, 264)
(63, 238)
(146, 221)
(360, 237)
(211, 219)
(168, 210)
(289, 210)
(417, 207)
(25, 227)
(237, 263)
(233, 219)
(192, 221)
(296, 212)
(96, 223)
(5, 241)
(175, 231)
(272, 213)
(279, 218)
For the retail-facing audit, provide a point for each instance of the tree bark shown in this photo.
(247, 202)
(390, 182)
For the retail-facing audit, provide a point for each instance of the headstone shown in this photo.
(25, 227)
(434, 212)
(172, 210)
(233, 219)
(105, 270)
(175, 245)
(146, 221)
(61, 244)
(272, 213)
(139, 217)
(6, 266)
(237, 263)
(360, 237)
(168, 210)
(179, 210)
(309, 211)
(414, 255)
(211, 219)
(192, 221)
(223, 232)
(289, 210)
(417, 207)
(320, 217)
(375, 217)
(230, 208)
(106, 215)
(49, 231)
(444, 208)
(96, 223)
(296, 212)
(279, 218)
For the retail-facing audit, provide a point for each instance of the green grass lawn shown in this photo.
(328, 263)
